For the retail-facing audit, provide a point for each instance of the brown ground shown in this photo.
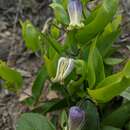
(13, 51)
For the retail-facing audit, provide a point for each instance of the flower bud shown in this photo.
(64, 68)
(76, 118)
(75, 14)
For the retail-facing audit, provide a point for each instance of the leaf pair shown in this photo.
(108, 37)
(95, 66)
(112, 85)
(103, 16)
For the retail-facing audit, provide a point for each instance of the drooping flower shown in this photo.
(76, 118)
(75, 14)
(64, 68)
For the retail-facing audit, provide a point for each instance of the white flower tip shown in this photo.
(64, 68)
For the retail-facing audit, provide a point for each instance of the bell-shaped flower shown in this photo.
(76, 118)
(64, 68)
(75, 14)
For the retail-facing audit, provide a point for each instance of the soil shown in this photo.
(14, 52)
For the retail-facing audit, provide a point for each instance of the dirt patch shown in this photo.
(14, 52)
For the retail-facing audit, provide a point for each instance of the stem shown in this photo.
(55, 46)
(59, 27)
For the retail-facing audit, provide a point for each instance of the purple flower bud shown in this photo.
(75, 13)
(76, 118)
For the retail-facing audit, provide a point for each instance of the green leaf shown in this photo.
(31, 36)
(37, 87)
(92, 15)
(63, 119)
(33, 121)
(115, 78)
(113, 61)
(60, 13)
(53, 105)
(110, 80)
(55, 32)
(54, 44)
(54, 51)
(92, 121)
(62, 2)
(112, 85)
(70, 44)
(105, 42)
(114, 25)
(95, 66)
(127, 69)
(104, 16)
(51, 64)
(99, 67)
(29, 101)
(85, 1)
(39, 83)
(110, 128)
(91, 71)
(109, 91)
(108, 37)
(12, 78)
(80, 69)
(119, 117)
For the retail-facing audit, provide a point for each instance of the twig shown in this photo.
(59, 27)
(27, 94)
